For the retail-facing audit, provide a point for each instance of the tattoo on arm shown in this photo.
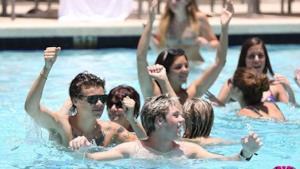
(123, 134)
(107, 129)
(120, 130)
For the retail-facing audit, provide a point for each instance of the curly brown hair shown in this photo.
(252, 84)
(84, 79)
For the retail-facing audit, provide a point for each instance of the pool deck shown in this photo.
(241, 24)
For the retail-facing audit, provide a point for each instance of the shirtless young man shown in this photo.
(162, 120)
(87, 98)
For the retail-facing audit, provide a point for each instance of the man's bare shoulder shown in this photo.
(66, 107)
(109, 125)
(194, 151)
(186, 144)
(190, 149)
(61, 116)
(112, 127)
(130, 144)
(128, 147)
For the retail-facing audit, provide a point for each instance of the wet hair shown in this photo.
(246, 46)
(168, 56)
(155, 107)
(199, 118)
(251, 84)
(117, 94)
(191, 11)
(84, 80)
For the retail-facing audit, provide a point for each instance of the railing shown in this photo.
(13, 5)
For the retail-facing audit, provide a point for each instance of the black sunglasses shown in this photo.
(94, 98)
(116, 101)
(118, 104)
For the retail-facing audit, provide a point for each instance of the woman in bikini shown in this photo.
(183, 26)
(175, 64)
(254, 55)
(249, 86)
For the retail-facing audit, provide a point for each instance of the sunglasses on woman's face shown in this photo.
(94, 98)
(118, 104)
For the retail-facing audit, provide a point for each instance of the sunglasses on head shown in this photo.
(174, 52)
(94, 98)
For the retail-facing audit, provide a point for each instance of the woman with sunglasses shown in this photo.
(123, 106)
(183, 25)
(86, 105)
(176, 64)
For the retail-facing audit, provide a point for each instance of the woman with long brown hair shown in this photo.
(176, 66)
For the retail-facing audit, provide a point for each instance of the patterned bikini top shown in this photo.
(271, 97)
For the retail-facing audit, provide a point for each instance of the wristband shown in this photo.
(246, 158)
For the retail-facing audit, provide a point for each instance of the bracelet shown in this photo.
(43, 76)
(246, 158)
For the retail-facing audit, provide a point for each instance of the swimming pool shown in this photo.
(26, 146)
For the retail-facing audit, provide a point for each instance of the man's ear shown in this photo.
(159, 121)
(75, 101)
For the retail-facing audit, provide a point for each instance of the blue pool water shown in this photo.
(24, 145)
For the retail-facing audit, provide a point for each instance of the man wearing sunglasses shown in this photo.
(78, 117)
